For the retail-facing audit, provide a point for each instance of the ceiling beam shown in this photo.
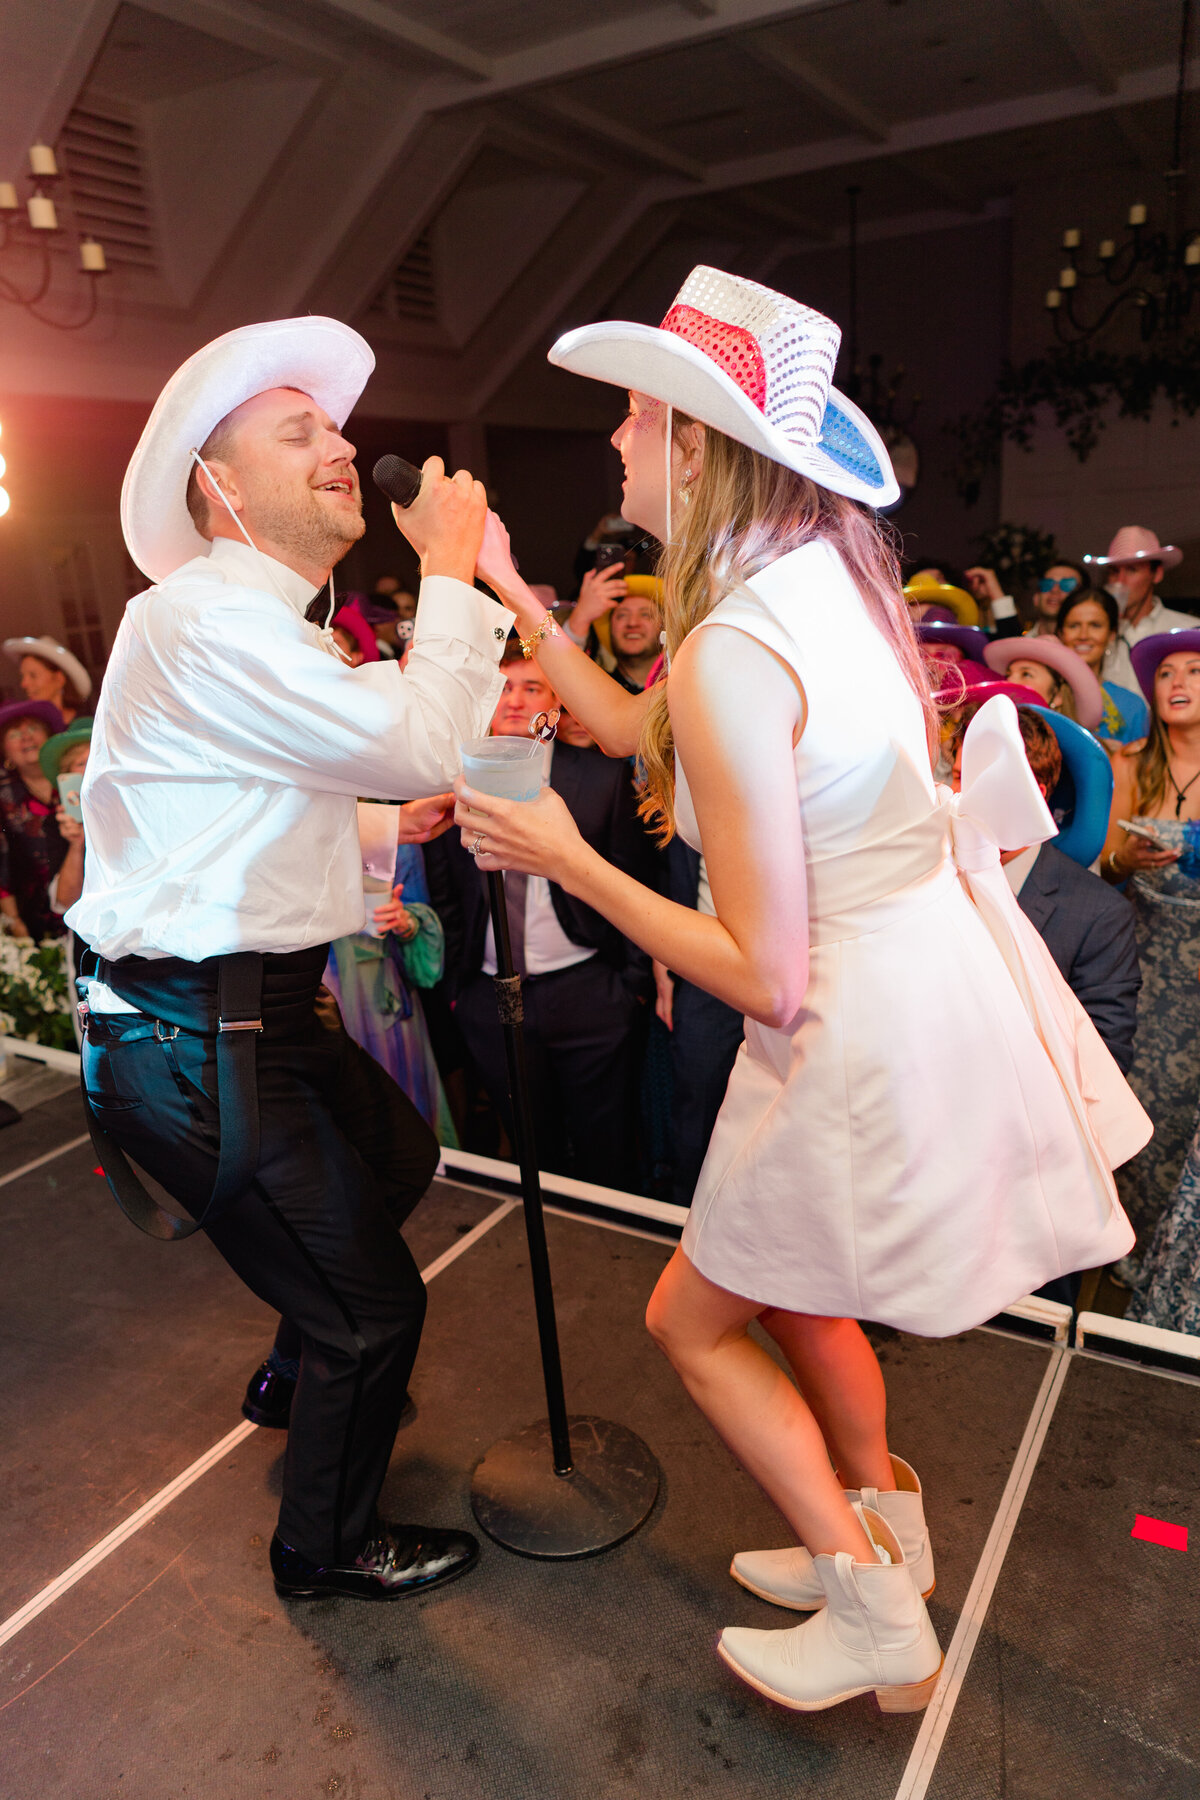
(555, 287)
(253, 28)
(1020, 113)
(652, 29)
(617, 133)
(384, 22)
(767, 50)
(46, 50)
(767, 207)
(1077, 34)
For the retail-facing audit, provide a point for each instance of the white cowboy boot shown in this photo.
(787, 1577)
(873, 1635)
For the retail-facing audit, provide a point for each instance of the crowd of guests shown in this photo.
(630, 1063)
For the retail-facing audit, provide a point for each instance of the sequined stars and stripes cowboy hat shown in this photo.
(319, 357)
(752, 363)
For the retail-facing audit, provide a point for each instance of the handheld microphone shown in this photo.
(397, 479)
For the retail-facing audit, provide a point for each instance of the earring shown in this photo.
(685, 487)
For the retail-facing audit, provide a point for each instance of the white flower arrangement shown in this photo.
(35, 1002)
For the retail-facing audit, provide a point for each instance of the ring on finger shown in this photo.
(477, 846)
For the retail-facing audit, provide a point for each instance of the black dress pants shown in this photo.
(344, 1158)
(583, 1035)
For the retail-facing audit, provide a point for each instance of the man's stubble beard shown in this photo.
(303, 529)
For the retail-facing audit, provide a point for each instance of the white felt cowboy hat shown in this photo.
(1133, 544)
(49, 651)
(752, 363)
(320, 357)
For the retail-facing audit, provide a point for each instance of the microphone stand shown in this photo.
(550, 1491)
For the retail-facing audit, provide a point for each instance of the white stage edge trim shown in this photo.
(1093, 1329)
(922, 1761)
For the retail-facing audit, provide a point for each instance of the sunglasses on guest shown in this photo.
(1066, 584)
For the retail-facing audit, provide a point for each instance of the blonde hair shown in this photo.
(1150, 767)
(747, 511)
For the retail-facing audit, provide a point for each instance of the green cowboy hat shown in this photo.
(79, 731)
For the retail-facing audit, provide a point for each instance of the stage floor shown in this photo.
(169, 1669)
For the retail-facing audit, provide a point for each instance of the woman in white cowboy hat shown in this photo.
(50, 672)
(837, 1186)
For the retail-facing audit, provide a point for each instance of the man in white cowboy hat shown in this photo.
(1131, 570)
(230, 743)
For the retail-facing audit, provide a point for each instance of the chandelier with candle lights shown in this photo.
(1152, 274)
(27, 233)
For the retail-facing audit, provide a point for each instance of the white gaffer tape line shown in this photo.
(26, 1168)
(55, 1589)
(925, 1751)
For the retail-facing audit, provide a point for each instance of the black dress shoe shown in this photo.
(396, 1560)
(269, 1399)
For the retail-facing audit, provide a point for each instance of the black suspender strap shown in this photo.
(239, 1021)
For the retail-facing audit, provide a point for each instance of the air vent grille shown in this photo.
(103, 158)
(410, 292)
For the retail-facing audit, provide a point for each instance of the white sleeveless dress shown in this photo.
(933, 1135)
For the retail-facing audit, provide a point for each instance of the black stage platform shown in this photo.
(168, 1670)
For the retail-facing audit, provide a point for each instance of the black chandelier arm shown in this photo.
(73, 324)
(12, 292)
(1065, 315)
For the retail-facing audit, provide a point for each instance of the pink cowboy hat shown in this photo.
(752, 363)
(350, 619)
(979, 691)
(1136, 543)
(1088, 694)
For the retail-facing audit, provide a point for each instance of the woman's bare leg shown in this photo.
(749, 1400)
(839, 1375)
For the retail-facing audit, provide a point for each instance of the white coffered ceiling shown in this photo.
(461, 178)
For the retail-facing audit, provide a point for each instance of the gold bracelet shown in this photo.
(546, 629)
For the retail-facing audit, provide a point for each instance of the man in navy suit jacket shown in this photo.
(1088, 929)
(586, 988)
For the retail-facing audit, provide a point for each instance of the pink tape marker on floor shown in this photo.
(1159, 1531)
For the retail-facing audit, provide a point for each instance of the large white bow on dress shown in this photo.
(1001, 807)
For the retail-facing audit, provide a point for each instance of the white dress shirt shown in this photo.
(230, 745)
(1018, 870)
(547, 946)
(1117, 666)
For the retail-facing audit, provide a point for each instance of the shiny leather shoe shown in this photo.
(396, 1560)
(268, 1399)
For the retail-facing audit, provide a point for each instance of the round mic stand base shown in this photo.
(521, 1502)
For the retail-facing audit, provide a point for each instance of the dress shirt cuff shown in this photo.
(448, 607)
(1003, 606)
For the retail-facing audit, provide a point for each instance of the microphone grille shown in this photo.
(397, 479)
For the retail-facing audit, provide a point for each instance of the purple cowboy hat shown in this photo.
(1146, 655)
(1066, 664)
(41, 710)
(967, 638)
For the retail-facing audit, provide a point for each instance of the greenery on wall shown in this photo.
(1018, 553)
(1080, 388)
